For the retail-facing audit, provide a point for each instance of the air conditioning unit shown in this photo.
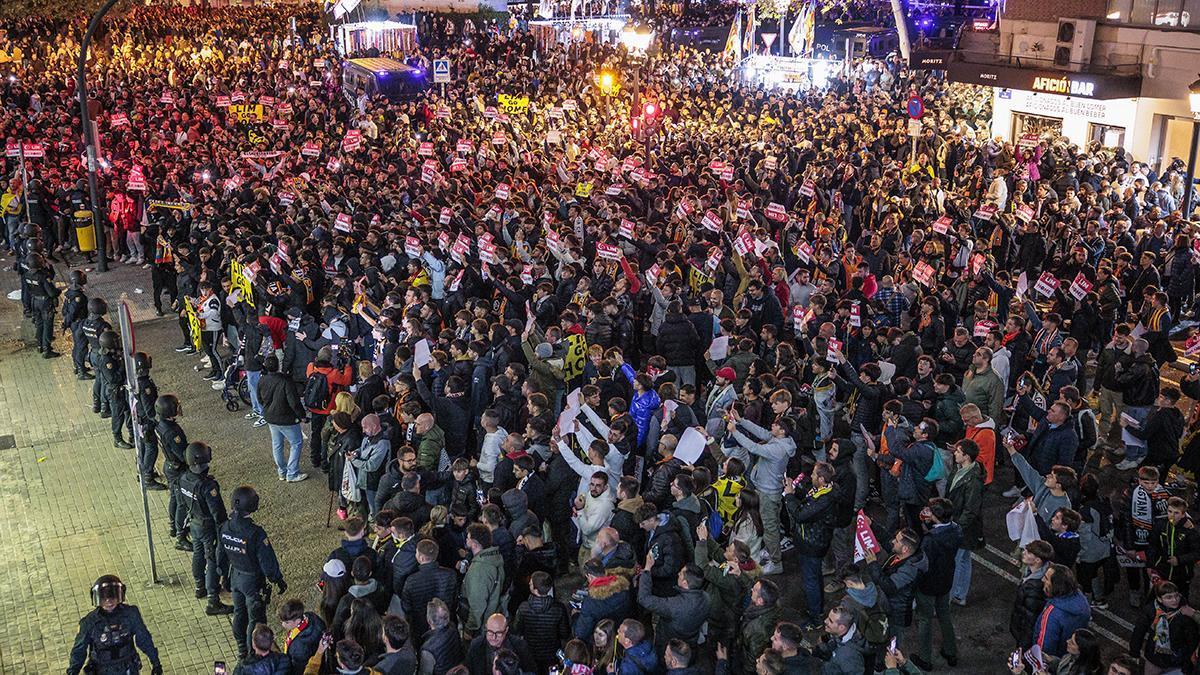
(1030, 47)
(1073, 44)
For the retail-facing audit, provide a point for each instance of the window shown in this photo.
(1108, 136)
(1164, 13)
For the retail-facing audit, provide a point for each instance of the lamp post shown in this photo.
(1189, 184)
(89, 138)
(636, 41)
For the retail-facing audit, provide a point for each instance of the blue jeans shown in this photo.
(252, 378)
(1137, 453)
(810, 575)
(962, 575)
(295, 440)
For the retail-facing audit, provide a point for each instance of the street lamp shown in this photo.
(1189, 185)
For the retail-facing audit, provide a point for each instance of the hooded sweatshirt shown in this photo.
(771, 456)
(1060, 618)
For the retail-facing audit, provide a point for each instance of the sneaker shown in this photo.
(1127, 464)
(217, 608)
(218, 386)
(260, 422)
(1012, 492)
(785, 544)
(152, 484)
(183, 348)
(121, 443)
(961, 602)
(298, 477)
(772, 568)
(201, 594)
(212, 377)
(1100, 604)
(282, 477)
(250, 415)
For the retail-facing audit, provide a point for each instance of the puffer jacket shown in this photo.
(898, 580)
(429, 448)
(940, 546)
(1060, 618)
(544, 623)
(1139, 382)
(1028, 605)
(868, 407)
(680, 616)
(677, 341)
(608, 597)
(481, 588)
(812, 520)
(642, 406)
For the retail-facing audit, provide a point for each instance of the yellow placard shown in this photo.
(513, 105)
(576, 356)
(193, 325)
(584, 188)
(253, 137)
(247, 112)
(239, 280)
(697, 279)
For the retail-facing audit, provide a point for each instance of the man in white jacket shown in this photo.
(593, 510)
(493, 440)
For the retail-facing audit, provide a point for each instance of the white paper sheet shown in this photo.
(691, 444)
(719, 349)
(421, 355)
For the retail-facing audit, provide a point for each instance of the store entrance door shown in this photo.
(1024, 123)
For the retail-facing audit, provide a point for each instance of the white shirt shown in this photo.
(489, 454)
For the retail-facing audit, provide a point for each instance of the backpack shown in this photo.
(937, 467)
(713, 521)
(316, 391)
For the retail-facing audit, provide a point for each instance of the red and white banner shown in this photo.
(352, 140)
(223, 101)
(986, 212)
(1080, 287)
(498, 138)
(714, 258)
(627, 228)
(310, 149)
(808, 188)
(503, 191)
(1024, 213)
(771, 163)
(118, 120)
(856, 315)
(804, 251)
(458, 164)
(553, 240)
(464, 146)
(425, 149)
(342, 222)
(726, 174)
(137, 179)
(608, 251)
(743, 209)
(743, 243)
(1192, 345)
(1046, 284)
(286, 198)
(982, 328)
(711, 220)
(942, 225)
(776, 212)
(614, 189)
(527, 275)
(33, 150)
(412, 247)
(835, 346)
(444, 218)
(864, 538)
(924, 274)
(977, 262)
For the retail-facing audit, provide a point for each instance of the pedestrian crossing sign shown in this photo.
(441, 70)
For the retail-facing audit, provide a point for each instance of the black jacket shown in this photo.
(280, 400)
(544, 623)
(1161, 431)
(428, 582)
(304, 645)
(666, 544)
(940, 546)
(812, 520)
(1030, 600)
(1139, 382)
(678, 341)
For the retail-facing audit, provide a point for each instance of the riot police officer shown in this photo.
(44, 302)
(206, 512)
(146, 396)
(92, 327)
(74, 310)
(174, 443)
(111, 369)
(246, 552)
(109, 634)
(27, 244)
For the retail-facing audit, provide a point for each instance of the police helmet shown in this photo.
(108, 587)
(244, 499)
(79, 278)
(108, 340)
(167, 406)
(142, 362)
(97, 307)
(198, 456)
(28, 231)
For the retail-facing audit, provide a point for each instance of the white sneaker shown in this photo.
(260, 422)
(298, 477)
(250, 415)
(1012, 492)
(772, 568)
(1128, 464)
(218, 385)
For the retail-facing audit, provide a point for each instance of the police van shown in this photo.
(394, 79)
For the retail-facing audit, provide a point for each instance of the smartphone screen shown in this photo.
(892, 645)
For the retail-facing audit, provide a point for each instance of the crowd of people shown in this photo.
(583, 392)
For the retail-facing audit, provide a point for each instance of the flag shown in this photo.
(810, 28)
(733, 43)
(751, 27)
(795, 36)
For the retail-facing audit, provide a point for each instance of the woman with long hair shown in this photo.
(366, 628)
(342, 402)
(747, 526)
(604, 645)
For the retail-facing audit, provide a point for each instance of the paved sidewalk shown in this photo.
(71, 510)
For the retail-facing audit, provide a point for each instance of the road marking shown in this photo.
(1102, 612)
(1004, 574)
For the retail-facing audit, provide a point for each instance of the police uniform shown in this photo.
(246, 552)
(107, 641)
(91, 328)
(206, 511)
(74, 311)
(110, 369)
(174, 444)
(44, 298)
(25, 272)
(147, 394)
